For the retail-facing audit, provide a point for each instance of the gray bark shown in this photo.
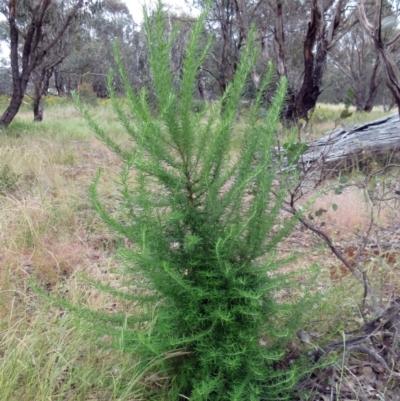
(349, 147)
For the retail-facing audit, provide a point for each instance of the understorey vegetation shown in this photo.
(157, 244)
(199, 227)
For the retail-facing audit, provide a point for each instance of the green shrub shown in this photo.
(201, 233)
(323, 114)
(56, 101)
(349, 98)
(4, 101)
(8, 180)
(87, 95)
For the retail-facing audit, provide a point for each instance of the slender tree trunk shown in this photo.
(279, 40)
(59, 83)
(359, 99)
(37, 109)
(41, 80)
(200, 87)
(317, 44)
(12, 109)
(389, 67)
(306, 99)
(18, 93)
(374, 83)
(392, 73)
(17, 98)
(241, 13)
(33, 51)
(226, 68)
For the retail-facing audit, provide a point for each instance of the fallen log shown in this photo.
(356, 146)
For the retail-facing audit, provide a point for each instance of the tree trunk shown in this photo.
(306, 99)
(392, 73)
(11, 110)
(59, 83)
(317, 43)
(18, 91)
(355, 147)
(201, 88)
(13, 107)
(33, 51)
(374, 83)
(37, 109)
(279, 41)
(227, 66)
(359, 97)
(41, 80)
(390, 69)
(241, 12)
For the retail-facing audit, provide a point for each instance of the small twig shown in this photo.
(383, 169)
(357, 259)
(375, 355)
(361, 278)
(348, 385)
(360, 395)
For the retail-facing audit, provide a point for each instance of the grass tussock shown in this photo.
(45, 355)
(49, 233)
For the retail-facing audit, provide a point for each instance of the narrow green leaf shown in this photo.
(320, 212)
(339, 190)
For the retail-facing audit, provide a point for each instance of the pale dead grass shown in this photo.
(49, 232)
(316, 129)
(352, 109)
(355, 209)
(353, 213)
(47, 224)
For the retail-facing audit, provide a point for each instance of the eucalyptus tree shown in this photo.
(375, 30)
(297, 35)
(322, 26)
(30, 24)
(361, 69)
(229, 21)
(91, 54)
(41, 75)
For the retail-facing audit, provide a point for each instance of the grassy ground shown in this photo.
(49, 233)
(326, 117)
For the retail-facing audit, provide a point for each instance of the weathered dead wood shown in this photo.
(356, 146)
(341, 149)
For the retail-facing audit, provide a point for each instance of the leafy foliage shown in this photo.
(8, 179)
(87, 95)
(323, 114)
(345, 114)
(294, 151)
(349, 98)
(201, 258)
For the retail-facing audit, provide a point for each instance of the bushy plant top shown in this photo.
(201, 229)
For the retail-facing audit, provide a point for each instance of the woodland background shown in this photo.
(320, 46)
(340, 58)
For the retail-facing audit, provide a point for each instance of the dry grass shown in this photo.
(49, 232)
(326, 118)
